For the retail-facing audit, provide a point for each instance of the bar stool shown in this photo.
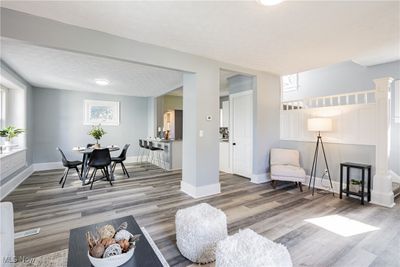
(147, 152)
(157, 151)
(142, 151)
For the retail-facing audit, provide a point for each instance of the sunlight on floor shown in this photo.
(341, 225)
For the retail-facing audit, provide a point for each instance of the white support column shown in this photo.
(382, 192)
(200, 158)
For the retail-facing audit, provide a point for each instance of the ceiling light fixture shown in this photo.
(270, 2)
(102, 82)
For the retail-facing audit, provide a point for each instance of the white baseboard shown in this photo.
(47, 166)
(132, 159)
(260, 178)
(383, 199)
(200, 191)
(17, 180)
(325, 185)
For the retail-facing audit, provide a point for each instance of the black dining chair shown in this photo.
(68, 165)
(100, 159)
(86, 156)
(120, 160)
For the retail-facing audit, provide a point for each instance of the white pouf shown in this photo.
(198, 230)
(247, 248)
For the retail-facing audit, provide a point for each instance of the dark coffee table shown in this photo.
(77, 252)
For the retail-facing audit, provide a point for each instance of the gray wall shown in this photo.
(336, 79)
(201, 153)
(345, 77)
(58, 121)
(395, 135)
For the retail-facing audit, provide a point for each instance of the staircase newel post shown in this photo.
(382, 192)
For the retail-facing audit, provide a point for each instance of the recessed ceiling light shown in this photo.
(102, 82)
(270, 2)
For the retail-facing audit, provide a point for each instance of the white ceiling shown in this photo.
(57, 69)
(291, 37)
(223, 83)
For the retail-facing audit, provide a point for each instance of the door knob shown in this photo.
(234, 144)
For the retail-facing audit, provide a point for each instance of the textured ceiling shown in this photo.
(291, 37)
(44, 67)
(223, 83)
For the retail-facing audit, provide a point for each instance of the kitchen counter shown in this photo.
(172, 155)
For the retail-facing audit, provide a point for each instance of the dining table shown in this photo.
(86, 151)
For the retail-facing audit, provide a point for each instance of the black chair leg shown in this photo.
(65, 179)
(62, 177)
(93, 177)
(113, 166)
(108, 176)
(125, 170)
(78, 172)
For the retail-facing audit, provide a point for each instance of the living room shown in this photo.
(312, 142)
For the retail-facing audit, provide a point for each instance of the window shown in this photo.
(290, 83)
(3, 96)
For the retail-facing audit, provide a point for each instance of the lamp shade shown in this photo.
(319, 124)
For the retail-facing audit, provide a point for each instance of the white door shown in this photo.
(242, 132)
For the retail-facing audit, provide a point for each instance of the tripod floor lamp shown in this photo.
(319, 125)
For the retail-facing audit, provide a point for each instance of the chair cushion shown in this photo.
(74, 163)
(288, 173)
(285, 157)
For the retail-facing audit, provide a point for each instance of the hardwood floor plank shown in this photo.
(153, 197)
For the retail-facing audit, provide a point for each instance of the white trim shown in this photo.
(335, 184)
(132, 159)
(45, 166)
(17, 180)
(200, 191)
(260, 178)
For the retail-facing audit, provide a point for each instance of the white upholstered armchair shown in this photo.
(285, 166)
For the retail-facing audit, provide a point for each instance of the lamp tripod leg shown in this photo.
(315, 165)
(327, 167)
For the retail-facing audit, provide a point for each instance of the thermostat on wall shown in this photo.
(209, 117)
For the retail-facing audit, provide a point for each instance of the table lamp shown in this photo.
(319, 125)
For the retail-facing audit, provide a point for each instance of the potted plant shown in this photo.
(355, 185)
(9, 133)
(97, 133)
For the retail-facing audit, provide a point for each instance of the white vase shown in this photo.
(7, 143)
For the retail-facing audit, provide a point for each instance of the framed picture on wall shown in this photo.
(101, 112)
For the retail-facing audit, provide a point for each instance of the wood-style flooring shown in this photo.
(153, 197)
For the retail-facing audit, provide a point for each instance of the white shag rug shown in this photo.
(247, 248)
(198, 230)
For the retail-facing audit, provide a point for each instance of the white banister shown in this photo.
(324, 101)
(382, 192)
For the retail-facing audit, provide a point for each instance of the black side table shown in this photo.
(363, 168)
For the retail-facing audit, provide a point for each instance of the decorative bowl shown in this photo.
(113, 261)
